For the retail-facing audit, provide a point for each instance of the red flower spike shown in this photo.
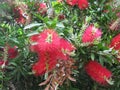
(50, 48)
(97, 72)
(12, 52)
(82, 4)
(39, 68)
(91, 34)
(115, 42)
(42, 8)
(71, 2)
(47, 57)
(20, 14)
(35, 38)
(48, 42)
(44, 64)
(65, 47)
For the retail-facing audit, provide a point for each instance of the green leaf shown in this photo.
(32, 25)
(32, 33)
(92, 56)
(60, 25)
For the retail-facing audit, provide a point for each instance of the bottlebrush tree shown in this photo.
(59, 45)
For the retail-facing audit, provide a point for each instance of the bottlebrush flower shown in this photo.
(35, 38)
(41, 8)
(65, 49)
(47, 61)
(115, 42)
(48, 42)
(47, 57)
(82, 4)
(71, 2)
(50, 48)
(91, 34)
(12, 52)
(43, 65)
(97, 72)
(20, 10)
(20, 13)
(66, 45)
(39, 68)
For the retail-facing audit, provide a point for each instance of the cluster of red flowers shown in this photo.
(82, 4)
(50, 47)
(91, 34)
(20, 14)
(97, 72)
(12, 53)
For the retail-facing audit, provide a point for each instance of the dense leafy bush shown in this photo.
(59, 44)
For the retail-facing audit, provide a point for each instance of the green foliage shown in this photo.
(18, 73)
